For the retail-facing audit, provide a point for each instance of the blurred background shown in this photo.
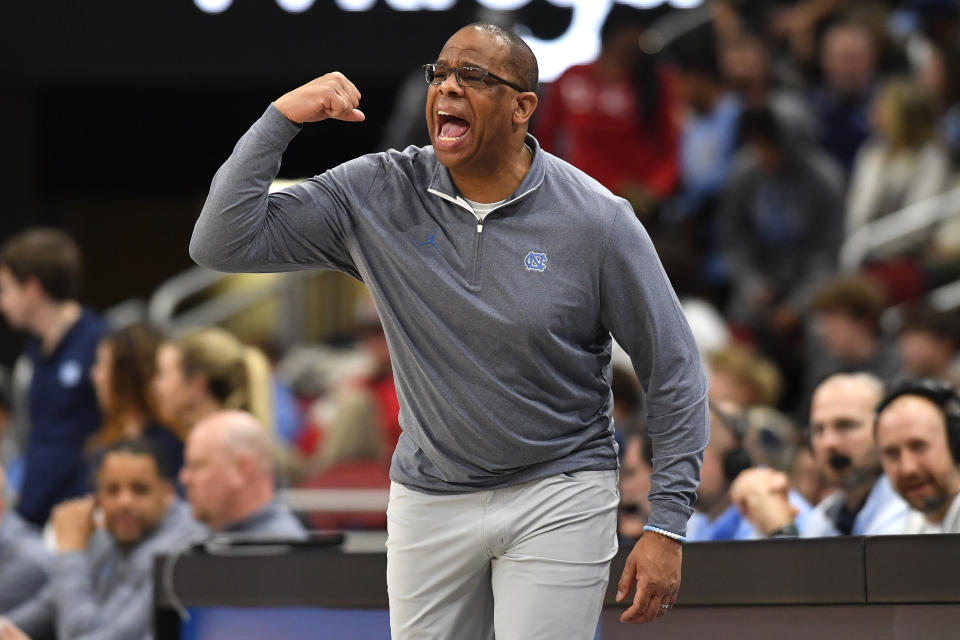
(794, 161)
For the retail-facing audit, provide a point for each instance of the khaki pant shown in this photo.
(529, 562)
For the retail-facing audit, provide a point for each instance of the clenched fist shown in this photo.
(329, 96)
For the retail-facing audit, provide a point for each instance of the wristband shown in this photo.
(664, 532)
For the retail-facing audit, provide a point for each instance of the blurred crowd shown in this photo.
(798, 168)
(126, 443)
(761, 150)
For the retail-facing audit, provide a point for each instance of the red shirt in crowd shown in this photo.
(593, 123)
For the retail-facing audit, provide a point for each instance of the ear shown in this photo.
(244, 465)
(525, 105)
(34, 288)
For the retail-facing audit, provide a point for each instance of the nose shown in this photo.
(908, 464)
(124, 498)
(450, 85)
(829, 440)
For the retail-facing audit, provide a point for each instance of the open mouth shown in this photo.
(451, 128)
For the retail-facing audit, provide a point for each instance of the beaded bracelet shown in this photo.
(664, 532)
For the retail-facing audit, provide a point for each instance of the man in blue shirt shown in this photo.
(39, 285)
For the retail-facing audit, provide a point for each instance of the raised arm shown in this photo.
(245, 228)
(329, 96)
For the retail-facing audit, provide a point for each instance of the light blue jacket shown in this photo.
(884, 513)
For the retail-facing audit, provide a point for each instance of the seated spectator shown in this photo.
(24, 563)
(780, 225)
(738, 375)
(841, 102)
(351, 458)
(773, 441)
(715, 518)
(928, 343)
(918, 434)
(229, 477)
(901, 164)
(613, 118)
(770, 438)
(39, 287)
(746, 64)
(937, 74)
(122, 376)
(635, 469)
(207, 370)
(725, 458)
(841, 436)
(708, 135)
(846, 334)
(102, 581)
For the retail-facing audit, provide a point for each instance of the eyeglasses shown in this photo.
(472, 77)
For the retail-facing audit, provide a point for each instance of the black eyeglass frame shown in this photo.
(431, 69)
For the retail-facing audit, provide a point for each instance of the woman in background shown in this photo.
(122, 375)
(614, 118)
(903, 162)
(206, 370)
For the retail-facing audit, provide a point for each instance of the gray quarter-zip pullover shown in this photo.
(499, 330)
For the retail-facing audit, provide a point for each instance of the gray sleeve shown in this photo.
(36, 616)
(124, 615)
(20, 580)
(244, 228)
(641, 310)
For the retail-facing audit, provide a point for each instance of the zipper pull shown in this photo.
(479, 226)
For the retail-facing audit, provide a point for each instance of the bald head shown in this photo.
(860, 382)
(236, 433)
(228, 468)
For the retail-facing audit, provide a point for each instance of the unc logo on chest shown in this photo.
(535, 261)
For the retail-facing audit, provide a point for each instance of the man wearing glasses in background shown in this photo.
(499, 273)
